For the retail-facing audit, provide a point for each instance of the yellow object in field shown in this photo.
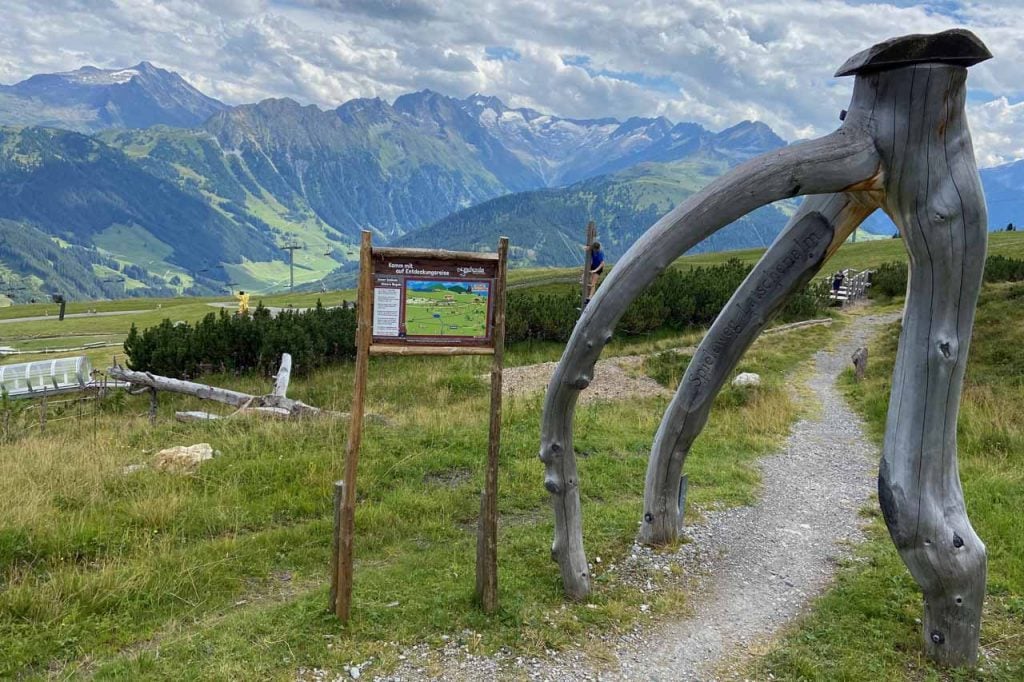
(243, 302)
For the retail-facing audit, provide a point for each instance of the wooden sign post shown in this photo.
(406, 306)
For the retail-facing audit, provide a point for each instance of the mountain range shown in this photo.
(92, 99)
(144, 185)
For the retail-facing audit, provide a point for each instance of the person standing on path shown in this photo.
(837, 282)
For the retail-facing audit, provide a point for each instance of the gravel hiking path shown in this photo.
(52, 318)
(762, 565)
(750, 570)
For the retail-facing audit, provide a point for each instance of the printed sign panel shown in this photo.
(432, 301)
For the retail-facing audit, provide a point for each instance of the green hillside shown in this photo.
(151, 231)
(860, 255)
(547, 225)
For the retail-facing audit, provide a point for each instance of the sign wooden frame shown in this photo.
(382, 272)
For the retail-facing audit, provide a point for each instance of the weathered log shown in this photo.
(160, 383)
(155, 382)
(818, 228)
(262, 411)
(186, 417)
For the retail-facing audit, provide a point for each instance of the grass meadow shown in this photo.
(224, 574)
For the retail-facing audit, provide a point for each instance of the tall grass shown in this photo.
(223, 574)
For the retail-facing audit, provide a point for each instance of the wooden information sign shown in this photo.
(425, 302)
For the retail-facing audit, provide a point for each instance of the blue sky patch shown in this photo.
(651, 82)
(502, 53)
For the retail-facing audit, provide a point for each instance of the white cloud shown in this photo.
(715, 62)
(997, 128)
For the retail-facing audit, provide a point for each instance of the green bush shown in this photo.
(244, 343)
(544, 317)
(677, 299)
(890, 279)
(808, 302)
(1004, 269)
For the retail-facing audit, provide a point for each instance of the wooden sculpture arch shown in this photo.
(903, 147)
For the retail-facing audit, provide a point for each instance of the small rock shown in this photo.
(132, 468)
(183, 459)
(747, 379)
(354, 672)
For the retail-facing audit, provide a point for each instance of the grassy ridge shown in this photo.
(868, 627)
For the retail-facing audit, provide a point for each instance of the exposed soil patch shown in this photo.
(614, 379)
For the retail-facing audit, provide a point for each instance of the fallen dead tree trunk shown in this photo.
(160, 383)
(275, 404)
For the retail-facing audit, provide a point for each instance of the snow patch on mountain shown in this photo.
(90, 75)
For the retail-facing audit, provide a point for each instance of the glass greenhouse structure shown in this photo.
(31, 379)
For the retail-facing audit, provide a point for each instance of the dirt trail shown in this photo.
(763, 564)
(614, 379)
(53, 318)
(755, 568)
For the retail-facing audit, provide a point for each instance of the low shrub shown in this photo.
(890, 279)
(244, 343)
(677, 299)
(1004, 269)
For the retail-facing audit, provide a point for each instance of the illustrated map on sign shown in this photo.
(446, 308)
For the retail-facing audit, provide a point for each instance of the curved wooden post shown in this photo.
(819, 227)
(844, 159)
(934, 195)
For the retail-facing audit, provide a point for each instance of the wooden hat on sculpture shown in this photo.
(903, 147)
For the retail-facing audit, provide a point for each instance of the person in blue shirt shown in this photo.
(596, 267)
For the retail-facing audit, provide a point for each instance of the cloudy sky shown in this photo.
(712, 61)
